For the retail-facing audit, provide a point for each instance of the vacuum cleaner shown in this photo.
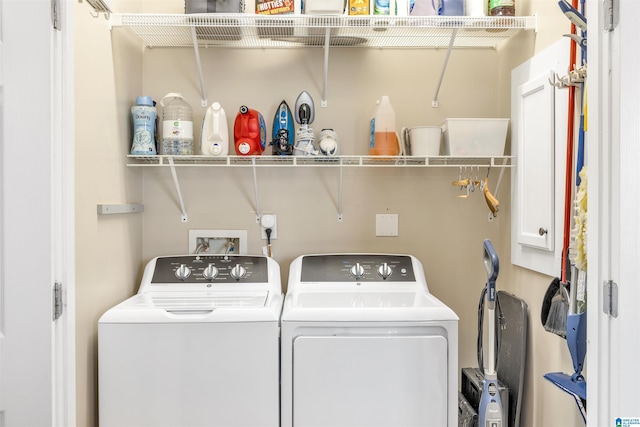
(490, 409)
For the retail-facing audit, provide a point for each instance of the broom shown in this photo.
(556, 320)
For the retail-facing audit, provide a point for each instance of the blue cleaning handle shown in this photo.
(492, 265)
(573, 14)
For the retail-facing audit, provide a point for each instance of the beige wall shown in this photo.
(108, 247)
(443, 231)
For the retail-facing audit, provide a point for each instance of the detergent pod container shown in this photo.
(214, 139)
(249, 132)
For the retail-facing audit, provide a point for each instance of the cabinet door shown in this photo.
(535, 168)
(538, 128)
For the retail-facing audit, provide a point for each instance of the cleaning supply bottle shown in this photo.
(383, 137)
(502, 7)
(451, 7)
(476, 7)
(214, 139)
(384, 7)
(144, 121)
(249, 132)
(177, 126)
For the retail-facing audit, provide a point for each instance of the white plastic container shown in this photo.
(422, 141)
(323, 7)
(214, 139)
(177, 126)
(474, 137)
(476, 7)
(423, 7)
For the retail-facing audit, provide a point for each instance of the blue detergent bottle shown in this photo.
(144, 122)
(451, 8)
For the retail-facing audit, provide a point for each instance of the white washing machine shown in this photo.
(364, 343)
(197, 346)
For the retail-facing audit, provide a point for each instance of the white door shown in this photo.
(36, 208)
(613, 147)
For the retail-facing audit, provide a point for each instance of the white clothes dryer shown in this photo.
(364, 343)
(197, 346)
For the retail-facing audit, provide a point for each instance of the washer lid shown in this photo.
(191, 306)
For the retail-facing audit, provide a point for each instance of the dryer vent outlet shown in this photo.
(218, 242)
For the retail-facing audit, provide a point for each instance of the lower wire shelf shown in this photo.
(340, 162)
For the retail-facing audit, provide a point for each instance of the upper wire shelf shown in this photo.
(323, 161)
(287, 31)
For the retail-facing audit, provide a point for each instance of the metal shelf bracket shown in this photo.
(327, 38)
(255, 186)
(196, 49)
(340, 194)
(434, 102)
(174, 175)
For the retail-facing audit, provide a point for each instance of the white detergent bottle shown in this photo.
(214, 139)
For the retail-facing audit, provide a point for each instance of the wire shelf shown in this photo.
(290, 31)
(321, 161)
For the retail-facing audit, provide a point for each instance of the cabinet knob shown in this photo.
(542, 231)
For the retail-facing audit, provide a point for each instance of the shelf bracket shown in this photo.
(434, 102)
(255, 186)
(174, 175)
(340, 194)
(203, 92)
(125, 208)
(327, 42)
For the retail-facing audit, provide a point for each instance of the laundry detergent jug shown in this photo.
(249, 132)
(214, 139)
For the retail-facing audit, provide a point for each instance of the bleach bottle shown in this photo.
(214, 139)
(249, 132)
(144, 123)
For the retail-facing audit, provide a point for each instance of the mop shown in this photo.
(490, 410)
(576, 329)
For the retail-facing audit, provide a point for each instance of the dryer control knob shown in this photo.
(210, 272)
(183, 272)
(357, 271)
(384, 270)
(238, 272)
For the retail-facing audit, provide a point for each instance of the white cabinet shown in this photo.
(534, 125)
(538, 129)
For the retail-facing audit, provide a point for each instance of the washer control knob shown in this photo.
(210, 272)
(357, 271)
(238, 272)
(183, 272)
(385, 270)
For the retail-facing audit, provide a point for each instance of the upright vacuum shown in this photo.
(490, 410)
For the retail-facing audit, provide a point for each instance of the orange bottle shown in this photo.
(383, 137)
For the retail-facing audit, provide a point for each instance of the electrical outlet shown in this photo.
(268, 221)
(218, 241)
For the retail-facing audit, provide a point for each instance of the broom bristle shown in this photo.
(557, 319)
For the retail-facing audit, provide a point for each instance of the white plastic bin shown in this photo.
(474, 137)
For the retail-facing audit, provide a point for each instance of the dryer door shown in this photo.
(370, 381)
